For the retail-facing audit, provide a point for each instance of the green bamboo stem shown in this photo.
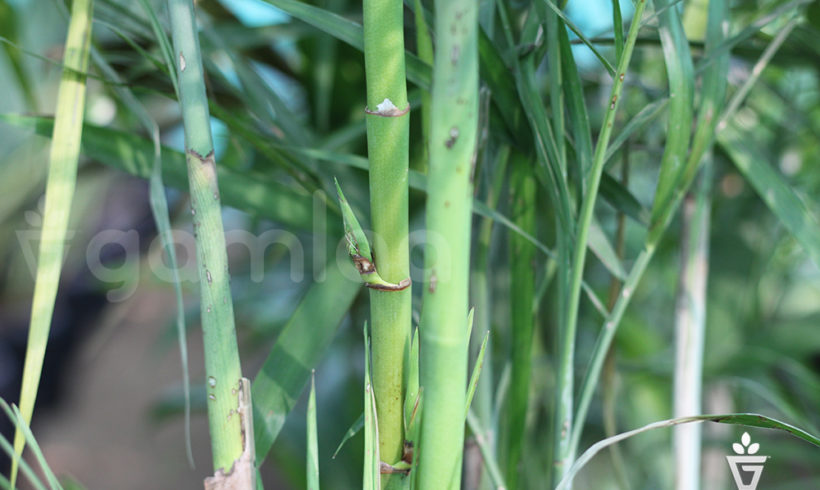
(444, 342)
(62, 178)
(388, 122)
(219, 335)
(563, 447)
(522, 278)
(480, 294)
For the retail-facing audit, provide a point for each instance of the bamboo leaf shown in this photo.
(286, 370)
(790, 208)
(680, 76)
(486, 451)
(479, 363)
(351, 431)
(622, 200)
(745, 419)
(247, 191)
(13, 413)
(648, 114)
(602, 248)
(62, 177)
(348, 32)
(575, 30)
(372, 461)
(312, 438)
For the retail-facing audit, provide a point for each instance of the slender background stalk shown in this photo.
(219, 335)
(444, 341)
(387, 149)
(690, 326)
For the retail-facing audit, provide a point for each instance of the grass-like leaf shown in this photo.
(791, 209)
(62, 177)
(745, 419)
(312, 438)
(372, 461)
(286, 370)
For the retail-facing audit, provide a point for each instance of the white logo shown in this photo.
(745, 465)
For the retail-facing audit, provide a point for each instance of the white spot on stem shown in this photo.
(181, 62)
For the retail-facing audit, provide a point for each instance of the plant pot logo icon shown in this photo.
(745, 464)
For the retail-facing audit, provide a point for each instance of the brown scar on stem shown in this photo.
(242, 473)
(387, 469)
(433, 283)
(401, 286)
(365, 267)
(209, 158)
(453, 136)
(407, 452)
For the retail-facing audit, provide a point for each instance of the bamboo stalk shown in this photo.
(219, 335)
(690, 326)
(62, 179)
(388, 123)
(444, 341)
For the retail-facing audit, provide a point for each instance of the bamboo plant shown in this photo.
(546, 149)
(388, 122)
(224, 374)
(452, 151)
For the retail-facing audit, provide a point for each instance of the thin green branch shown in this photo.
(563, 449)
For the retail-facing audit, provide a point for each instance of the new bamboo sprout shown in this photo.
(444, 341)
(387, 148)
(219, 336)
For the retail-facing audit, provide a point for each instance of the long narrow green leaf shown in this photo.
(348, 32)
(13, 413)
(486, 451)
(746, 419)
(312, 438)
(29, 473)
(639, 121)
(62, 177)
(479, 363)
(247, 191)
(372, 461)
(622, 200)
(286, 370)
(158, 202)
(791, 209)
(680, 76)
(351, 431)
(522, 316)
(575, 30)
(576, 106)
(714, 86)
(603, 249)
